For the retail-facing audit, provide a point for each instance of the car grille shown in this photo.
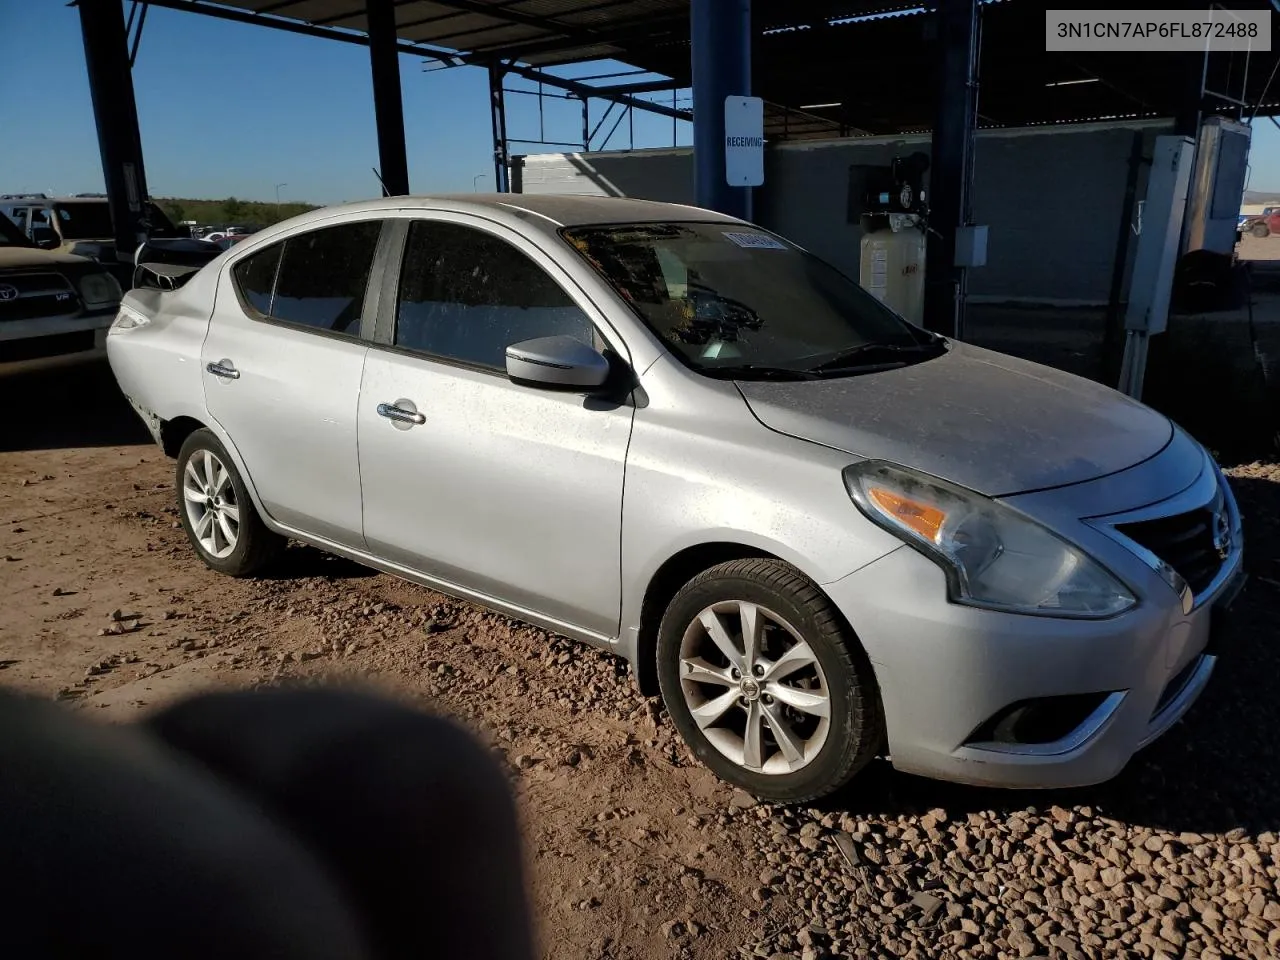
(27, 296)
(1184, 541)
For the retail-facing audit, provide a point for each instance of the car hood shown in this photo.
(13, 258)
(984, 420)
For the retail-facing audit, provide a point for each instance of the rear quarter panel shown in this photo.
(158, 365)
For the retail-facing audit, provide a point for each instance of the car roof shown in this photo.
(562, 210)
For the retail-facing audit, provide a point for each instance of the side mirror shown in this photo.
(557, 363)
(46, 238)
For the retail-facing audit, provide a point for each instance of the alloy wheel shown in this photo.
(754, 687)
(210, 500)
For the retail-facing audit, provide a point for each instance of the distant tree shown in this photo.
(232, 208)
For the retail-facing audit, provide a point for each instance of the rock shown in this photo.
(1112, 876)
(928, 905)
(1257, 904)
(741, 800)
(1022, 943)
(672, 929)
(1084, 872)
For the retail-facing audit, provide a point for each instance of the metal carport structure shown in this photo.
(825, 68)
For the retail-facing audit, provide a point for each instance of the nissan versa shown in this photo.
(820, 532)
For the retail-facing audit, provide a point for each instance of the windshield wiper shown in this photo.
(878, 354)
(759, 371)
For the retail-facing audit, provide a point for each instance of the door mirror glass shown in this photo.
(557, 363)
(44, 237)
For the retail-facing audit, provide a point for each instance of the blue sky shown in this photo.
(228, 109)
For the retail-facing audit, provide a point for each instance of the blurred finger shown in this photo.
(411, 813)
(114, 846)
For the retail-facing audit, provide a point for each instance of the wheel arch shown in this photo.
(665, 582)
(174, 433)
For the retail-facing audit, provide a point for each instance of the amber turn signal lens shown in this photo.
(920, 517)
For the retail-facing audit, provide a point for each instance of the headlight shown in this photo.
(128, 319)
(97, 289)
(993, 556)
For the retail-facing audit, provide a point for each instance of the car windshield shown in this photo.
(91, 220)
(731, 300)
(10, 235)
(84, 221)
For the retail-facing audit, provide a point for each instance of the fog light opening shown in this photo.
(1038, 721)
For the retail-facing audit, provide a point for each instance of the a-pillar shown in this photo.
(106, 54)
(720, 34)
(388, 105)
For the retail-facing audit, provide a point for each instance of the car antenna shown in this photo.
(385, 191)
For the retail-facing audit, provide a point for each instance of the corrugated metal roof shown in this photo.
(875, 60)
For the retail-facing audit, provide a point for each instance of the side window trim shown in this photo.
(373, 283)
(389, 302)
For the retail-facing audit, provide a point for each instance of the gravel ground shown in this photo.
(634, 850)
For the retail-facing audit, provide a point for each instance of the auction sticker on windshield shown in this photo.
(758, 241)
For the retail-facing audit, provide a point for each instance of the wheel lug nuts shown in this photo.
(735, 673)
(767, 699)
(758, 670)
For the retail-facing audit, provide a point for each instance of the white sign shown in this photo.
(744, 141)
(755, 241)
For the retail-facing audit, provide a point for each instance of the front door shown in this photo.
(282, 364)
(509, 491)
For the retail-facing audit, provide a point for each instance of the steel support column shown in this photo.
(498, 113)
(388, 106)
(951, 167)
(115, 112)
(720, 31)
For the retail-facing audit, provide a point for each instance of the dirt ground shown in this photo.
(635, 851)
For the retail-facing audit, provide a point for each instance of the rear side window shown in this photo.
(467, 295)
(316, 279)
(256, 278)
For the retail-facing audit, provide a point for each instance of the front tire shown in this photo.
(1260, 230)
(216, 511)
(765, 683)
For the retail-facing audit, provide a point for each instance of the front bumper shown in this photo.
(53, 326)
(945, 671)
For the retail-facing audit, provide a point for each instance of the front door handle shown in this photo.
(223, 368)
(396, 412)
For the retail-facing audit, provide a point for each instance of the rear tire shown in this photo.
(217, 512)
(1260, 230)
(806, 684)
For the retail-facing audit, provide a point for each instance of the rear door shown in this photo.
(509, 491)
(282, 364)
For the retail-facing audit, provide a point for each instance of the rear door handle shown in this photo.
(397, 413)
(223, 368)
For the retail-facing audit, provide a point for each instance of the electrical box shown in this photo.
(1217, 185)
(1162, 218)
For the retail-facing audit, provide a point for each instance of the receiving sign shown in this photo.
(744, 141)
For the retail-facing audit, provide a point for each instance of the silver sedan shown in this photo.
(821, 533)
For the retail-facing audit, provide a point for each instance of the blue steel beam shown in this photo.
(720, 31)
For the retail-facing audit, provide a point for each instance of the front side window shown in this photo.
(315, 279)
(730, 300)
(466, 295)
